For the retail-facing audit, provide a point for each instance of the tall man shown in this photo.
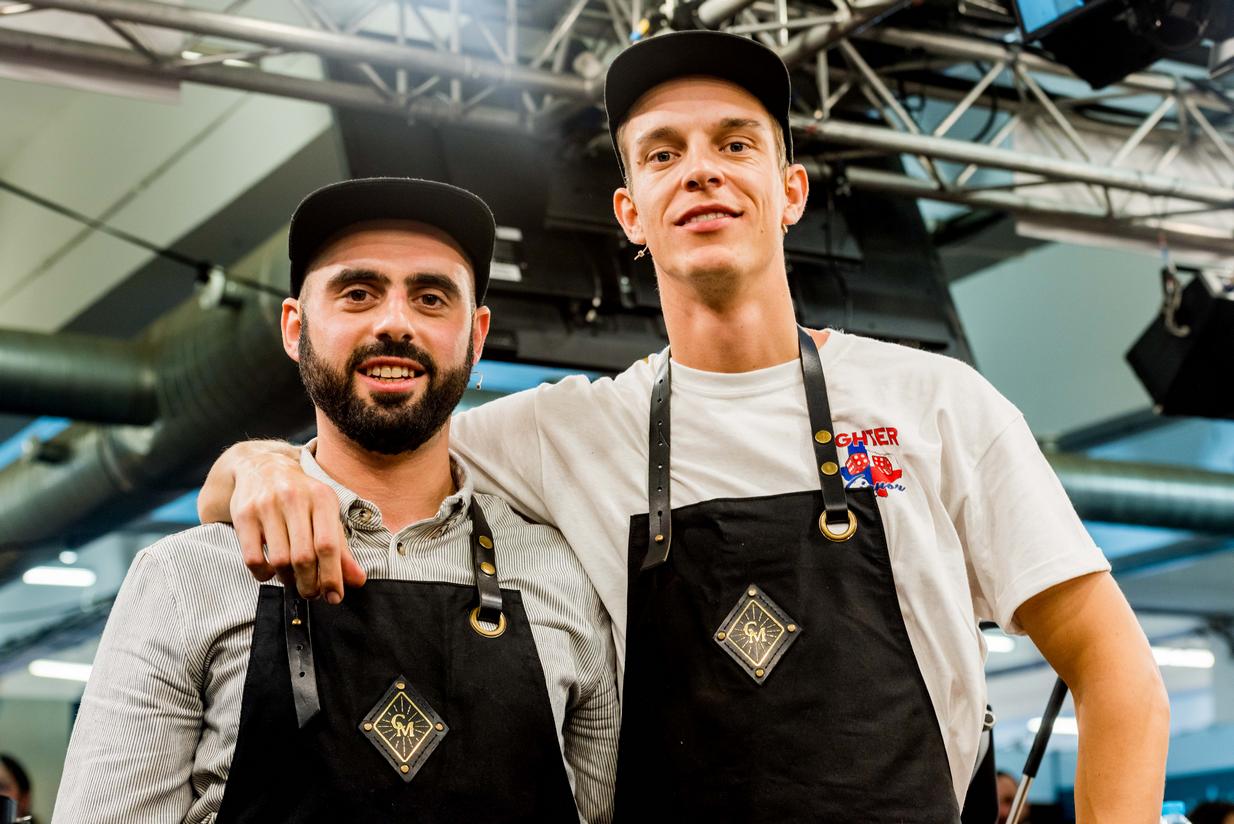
(797, 627)
(451, 686)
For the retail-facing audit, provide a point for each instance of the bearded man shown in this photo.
(472, 680)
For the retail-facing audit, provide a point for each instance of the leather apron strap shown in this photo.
(300, 656)
(837, 522)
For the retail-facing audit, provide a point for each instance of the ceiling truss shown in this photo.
(1150, 158)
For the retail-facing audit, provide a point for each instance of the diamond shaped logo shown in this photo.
(404, 728)
(757, 633)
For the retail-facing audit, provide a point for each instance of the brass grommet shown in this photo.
(829, 468)
(404, 769)
(488, 569)
(837, 536)
(721, 635)
(368, 727)
(659, 539)
(752, 592)
(486, 542)
(295, 622)
(822, 436)
(487, 633)
(791, 628)
(439, 726)
(401, 685)
(760, 672)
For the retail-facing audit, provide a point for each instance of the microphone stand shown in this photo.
(1038, 750)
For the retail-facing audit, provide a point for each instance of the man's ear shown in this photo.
(291, 323)
(479, 331)
(627, 216)
(796, 193)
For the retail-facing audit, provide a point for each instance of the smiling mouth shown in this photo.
(708, 216)
(392, 374)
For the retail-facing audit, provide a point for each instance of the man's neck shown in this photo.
(751, 326)
(406, 487)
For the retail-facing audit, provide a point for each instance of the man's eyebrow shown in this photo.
(739, 123)
(433, 280)
(346, 277)
(660, 133)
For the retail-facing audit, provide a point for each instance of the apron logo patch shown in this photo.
(404, 728)
(757, 633)
(872, 470)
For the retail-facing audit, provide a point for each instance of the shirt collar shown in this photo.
(359, 513)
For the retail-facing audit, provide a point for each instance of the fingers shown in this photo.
(295, 510)
(248, 531)
(353, 574)
(327, 544)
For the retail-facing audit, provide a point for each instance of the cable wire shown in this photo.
(201, 267)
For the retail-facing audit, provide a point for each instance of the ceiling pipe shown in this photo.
(75, 376)
(221, 376)
(327, 44)
(1147, 494)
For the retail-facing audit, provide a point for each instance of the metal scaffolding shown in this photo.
(1149, 158)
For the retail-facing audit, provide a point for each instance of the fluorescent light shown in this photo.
(1063, 725)
(68, 556)
(240, 64)
(1188, 657)
(64, 670)
(190, 55)
(999, 643)
(59, 576)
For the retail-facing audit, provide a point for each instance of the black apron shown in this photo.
(403, 703)
(769, 676)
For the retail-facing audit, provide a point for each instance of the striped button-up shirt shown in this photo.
(160, 715)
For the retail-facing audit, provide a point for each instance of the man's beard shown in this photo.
(393, 423)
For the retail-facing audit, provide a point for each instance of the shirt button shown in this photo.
(402, 548)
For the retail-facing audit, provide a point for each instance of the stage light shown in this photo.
(1063, 725)
(59, 577)
(61, 670)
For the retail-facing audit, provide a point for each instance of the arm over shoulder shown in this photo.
(503, 444)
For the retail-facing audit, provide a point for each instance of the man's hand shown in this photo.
(260, 487)
(1091, 638)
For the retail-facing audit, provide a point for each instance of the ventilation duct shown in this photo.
(215, 374)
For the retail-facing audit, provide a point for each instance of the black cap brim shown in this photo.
(329, 210)
(739, 60)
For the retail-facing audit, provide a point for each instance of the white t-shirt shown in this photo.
(976, 521)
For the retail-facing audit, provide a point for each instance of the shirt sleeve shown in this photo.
(500, 442)
(1020, 530)
(132, 748)
(593, 727)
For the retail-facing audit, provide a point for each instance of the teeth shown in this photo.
(389, 372)
(707, 216)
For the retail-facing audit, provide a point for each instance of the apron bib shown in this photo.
(404, 703)
(769, 676)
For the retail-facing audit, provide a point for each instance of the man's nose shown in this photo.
(395, 321)
(702, 170)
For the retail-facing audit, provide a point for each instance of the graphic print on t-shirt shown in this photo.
(866, 469)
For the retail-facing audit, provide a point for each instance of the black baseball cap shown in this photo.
(739, 60)
(329, 210)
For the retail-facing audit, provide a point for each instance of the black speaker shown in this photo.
(1191, 373)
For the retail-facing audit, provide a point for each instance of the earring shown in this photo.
(784, 227)
(641, 253)
(479, 379)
